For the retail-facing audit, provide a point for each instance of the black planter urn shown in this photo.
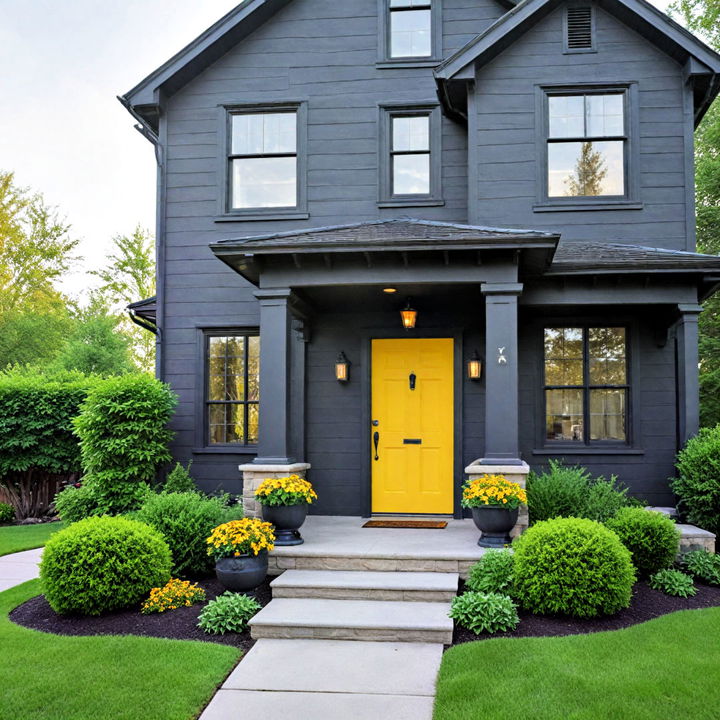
(495, 524)
(287, 520)
(242, 574)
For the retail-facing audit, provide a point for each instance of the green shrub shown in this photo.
(703, 565)
(572, 492)
(230, 612)
(102, 564)
(185, 520)
(493, 573)
(572, 566)
(485, 612)
(698, 484)
(179, 480)
(38, 451)
(651, 537)
(124, 439)
(7, 513)
(73, 503)
(673, 582)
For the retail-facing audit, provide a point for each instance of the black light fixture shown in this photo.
(474, 367)
(342, 368)
(409, 316)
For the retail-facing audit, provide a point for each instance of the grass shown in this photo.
(45, 677)
(15, 538)
(665, 668)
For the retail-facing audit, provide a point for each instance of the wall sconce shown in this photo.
(342, 368)
(409, 316)
(474, 367)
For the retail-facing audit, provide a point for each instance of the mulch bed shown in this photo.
(180, 624)
(646, 604)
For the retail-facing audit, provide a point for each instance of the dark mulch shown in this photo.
(646, 604)
(180, 624)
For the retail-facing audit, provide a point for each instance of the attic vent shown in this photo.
(579, 28)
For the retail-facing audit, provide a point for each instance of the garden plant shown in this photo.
(176, 593)
(485, 612)
(673, 582)
(703, 565)
(229, 612)
(493, 573)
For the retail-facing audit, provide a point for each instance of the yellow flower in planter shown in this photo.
(290, 490)
(248, 536)
(494, 490)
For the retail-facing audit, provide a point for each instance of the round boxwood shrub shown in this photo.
(185, 520)
(103, 563)
(572, 566)
(651, 537)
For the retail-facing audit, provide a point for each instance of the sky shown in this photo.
(62, 130)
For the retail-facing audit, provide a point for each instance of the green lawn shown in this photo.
(45, 677)
(665, 668)
(15, 538)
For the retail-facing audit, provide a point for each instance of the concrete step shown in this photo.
(358, 585)
(372, 620)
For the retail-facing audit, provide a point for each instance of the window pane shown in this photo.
(409, 3)
(216, 424)
(608, 364)
(410, 34)
(235, 424)
(253, 424)
(411, 133)
(253, 368)
(564, 414)
(563, 356)
(607, 415)
(605, 115)
(566, 116)
(216, 346)
(264, 133)
(586, 169)
(411, 174)
(264, 182)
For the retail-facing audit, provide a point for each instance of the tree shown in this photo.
(589, 173)
(130, 276)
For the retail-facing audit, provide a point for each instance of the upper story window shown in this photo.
(410, 28)
(586, 385)
(586, 145)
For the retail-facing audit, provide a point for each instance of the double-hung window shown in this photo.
(586, 385)
(410, 28)
(232, 388)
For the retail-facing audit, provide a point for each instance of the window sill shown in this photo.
(586, 206)
(579, 51)
(274, 215)
(227, 450)
(565, 450)
(409, 63)
(409, 202)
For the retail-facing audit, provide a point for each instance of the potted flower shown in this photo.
(240, 549)
(494, 501)
(285, 504)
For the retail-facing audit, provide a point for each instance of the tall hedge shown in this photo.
(38, 451)
(124, 437)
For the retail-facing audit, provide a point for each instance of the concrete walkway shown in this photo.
(330, 679)
(19, 568)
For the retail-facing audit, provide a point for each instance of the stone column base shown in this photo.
(253, 475)
(514, 473)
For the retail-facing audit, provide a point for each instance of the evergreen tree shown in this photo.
(589, 173)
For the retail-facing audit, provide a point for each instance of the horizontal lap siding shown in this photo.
(506, 143)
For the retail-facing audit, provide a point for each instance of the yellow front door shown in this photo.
(411, 439)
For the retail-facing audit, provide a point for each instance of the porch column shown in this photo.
(501, 374)
(274, 430)
(688, 384)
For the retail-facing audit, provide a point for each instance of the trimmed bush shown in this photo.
(179, 480)
(703, 565)
(38, 451)
(75, 503)
(651, 537)
(485, 612)
(572, 566)
(673, 582)
(572, 492)
(124, 439)
(493, 573)
(229, 612)
(102, 564)
(7, 513)
(698, 484)
(185, 520)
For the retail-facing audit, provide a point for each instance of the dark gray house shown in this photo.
(516, 178)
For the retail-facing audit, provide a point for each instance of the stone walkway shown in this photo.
(19, 568)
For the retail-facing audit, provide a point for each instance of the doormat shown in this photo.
(415, 524)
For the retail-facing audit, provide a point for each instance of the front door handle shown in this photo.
(376, 441)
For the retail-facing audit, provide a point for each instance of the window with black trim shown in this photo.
(232, 388)
(586, 145)
(586, 385)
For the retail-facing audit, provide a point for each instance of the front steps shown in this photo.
(331, 605)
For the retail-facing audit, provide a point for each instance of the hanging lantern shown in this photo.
(342, 368)
(474, 367)
(409, 316)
